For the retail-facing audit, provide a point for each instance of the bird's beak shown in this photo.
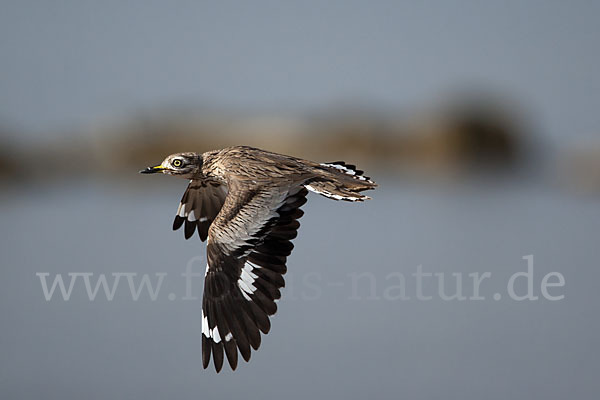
(152, 170)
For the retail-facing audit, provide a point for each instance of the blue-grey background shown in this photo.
(75, 62)
(69, 66)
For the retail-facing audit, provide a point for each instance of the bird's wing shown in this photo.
(247, 249)
(199, 206)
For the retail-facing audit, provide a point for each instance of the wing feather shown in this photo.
(248, 245)
(199, 207)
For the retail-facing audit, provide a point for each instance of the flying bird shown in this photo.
(246, 202)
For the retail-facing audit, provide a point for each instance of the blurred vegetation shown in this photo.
(456, 138)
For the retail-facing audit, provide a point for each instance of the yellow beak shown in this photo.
(152, 170)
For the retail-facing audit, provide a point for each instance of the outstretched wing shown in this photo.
(199, 207)
(247, 249)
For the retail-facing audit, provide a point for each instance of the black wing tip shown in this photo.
(205, 352)
(178, 222)
(190, 227)
(230, 348)
(203, 229)
(231, 353)
(217, 350)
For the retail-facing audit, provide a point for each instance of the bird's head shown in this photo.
(184, 165)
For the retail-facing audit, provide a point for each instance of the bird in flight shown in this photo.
(247, 201)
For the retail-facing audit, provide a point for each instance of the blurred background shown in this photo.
(479, 120)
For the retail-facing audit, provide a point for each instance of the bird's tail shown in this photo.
(340, 181)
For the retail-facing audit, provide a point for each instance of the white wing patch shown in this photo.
(246, 280)
(246, 285)
(181, 210)
(212, 333)
(215, 334)
(205, 330)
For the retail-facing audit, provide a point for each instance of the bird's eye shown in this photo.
(177, 163)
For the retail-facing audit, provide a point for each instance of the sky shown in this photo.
(69, 64)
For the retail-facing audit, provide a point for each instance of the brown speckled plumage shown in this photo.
(247, 201)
